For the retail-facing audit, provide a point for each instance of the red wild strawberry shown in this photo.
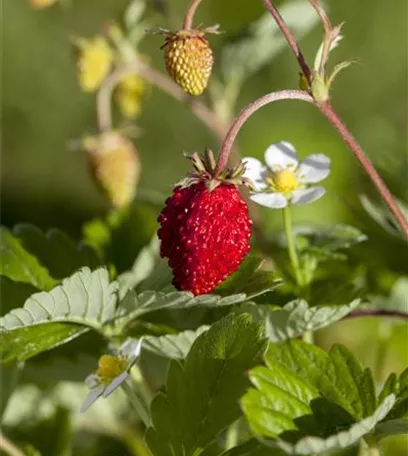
(205, 228)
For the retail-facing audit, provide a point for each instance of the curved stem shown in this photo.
(159, 80)
(247, 113)
(329, 112)
(348, 138)
(289, 38)
(323, 16)
(191, 9)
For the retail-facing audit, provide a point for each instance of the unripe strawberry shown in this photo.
(114, 165)
(129, 93)
(204, 230)
(94, 62)
(189, 59)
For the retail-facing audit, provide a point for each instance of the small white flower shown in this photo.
(112, 371)
(286, 181)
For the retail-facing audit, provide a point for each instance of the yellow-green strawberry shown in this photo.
(189, 59)
(114, 165)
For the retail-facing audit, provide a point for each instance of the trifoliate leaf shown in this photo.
(312, 401)
(202, 393)
(296, 318)
(84, 300)
(19, 265)
(174, 346)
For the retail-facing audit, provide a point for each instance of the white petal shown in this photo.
(115, 383)
(314, 168)
(130, 350)
(271, 200)
(281, 155)
(307, 195)
(93, 395)
(92, 381)
(256, 171)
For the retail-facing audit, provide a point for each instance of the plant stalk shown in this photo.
(293, 256)
(189, 17)
(329, 112)
(246, 113)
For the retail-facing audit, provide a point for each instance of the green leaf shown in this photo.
(296, 318)
(391, 427)
(174, 346)
(202, 393)
(383, 216)
(397, 300)
(14, 294)
(134, 305)
(84, 300)
(317, 445)
(18, 264)
(254, 448)
(249, 279)
(56, 251)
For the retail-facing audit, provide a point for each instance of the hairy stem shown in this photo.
(323, 16)
(329, 112)
(189, 17)
(289, 38)
(348, 138)
(247, 113)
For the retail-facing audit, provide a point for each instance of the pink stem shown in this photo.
(189, 17)
(289, 38)
(349, 139)
(247, 113)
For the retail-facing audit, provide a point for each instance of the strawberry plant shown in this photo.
(186, 326)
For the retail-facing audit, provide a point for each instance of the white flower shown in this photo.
(285, 181)
(112, 371)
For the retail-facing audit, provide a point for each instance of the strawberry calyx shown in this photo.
(204, 171)
(199, 31)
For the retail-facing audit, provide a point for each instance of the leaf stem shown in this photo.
(294, 259)
(246, 113)
(334, 119)
(377, 313)
(189, 17)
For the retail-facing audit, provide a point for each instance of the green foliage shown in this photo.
(313, 401)
(19, 265)
(297, 318)
(84, 300)
(202, 393)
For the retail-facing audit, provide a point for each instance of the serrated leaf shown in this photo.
(336, 375)
(296, 318)
(317, 445)
(264, 41)
(19, 265)
(84, 300)
(55, 250)
(174, 346)
(202, 394)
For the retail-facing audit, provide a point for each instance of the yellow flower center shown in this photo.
(109, 367)
(284, 181)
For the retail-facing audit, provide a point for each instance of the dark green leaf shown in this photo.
(19, 265)
(202, 394)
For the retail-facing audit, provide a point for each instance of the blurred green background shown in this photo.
(45, 183)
